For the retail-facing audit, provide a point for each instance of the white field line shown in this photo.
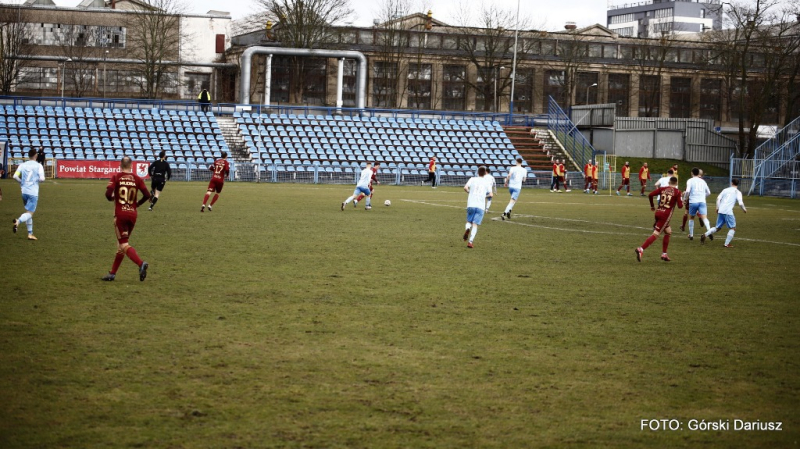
(580, 221)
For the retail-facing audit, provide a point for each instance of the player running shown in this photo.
(373, 179)
(362, 187)
(669, 196)
(160, 172)
(725, 202)
(219, 171)
(29, 174)
(626, 178)
(478, 188)
(123, 189)
(696, 192)
(493, 183)
(516, 176)
(644, 176)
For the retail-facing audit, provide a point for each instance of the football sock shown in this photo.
(705, 222)
(205, 199)
(472, 233)
(347, 201)
(691, 227)
(711, 231)
(730, 237)
(155, 200)
(509, 207)
(30, 225)
(24, 217)
(131, 253)
(360, 197)
(214, 200)
(665, 243)
(488, 204)
(468, 226)
(686, 217)
(117, 262)
(649, 241)
(369, 202)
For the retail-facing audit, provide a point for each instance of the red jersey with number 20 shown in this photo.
(123, 188)
(669, 197)
(220, 169)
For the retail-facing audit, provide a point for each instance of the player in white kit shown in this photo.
(725, 202)
(479, 189)
(362, 187)
(29, 174)
(516, 176)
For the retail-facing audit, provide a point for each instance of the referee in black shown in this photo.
(160, 173)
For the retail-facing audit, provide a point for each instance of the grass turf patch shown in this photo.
(278, 320)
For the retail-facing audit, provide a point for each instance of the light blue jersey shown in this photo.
(29, 175)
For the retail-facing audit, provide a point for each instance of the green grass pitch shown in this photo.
(278, 320)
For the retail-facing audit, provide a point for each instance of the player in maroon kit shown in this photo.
(372, 180)
(219, 171)
(123, 189)
(670, 196)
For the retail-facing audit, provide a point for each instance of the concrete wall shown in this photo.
(648, 143)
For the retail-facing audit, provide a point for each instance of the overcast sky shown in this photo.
(583, 12)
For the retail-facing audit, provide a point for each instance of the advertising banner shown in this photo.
(68, 168)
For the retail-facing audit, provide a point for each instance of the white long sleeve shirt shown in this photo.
(727, 199)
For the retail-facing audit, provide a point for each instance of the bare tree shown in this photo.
(15, 35)
(572, 52)
(78, 44)
(155, 36)
(392, 39)
(303, 24)
(650, 57)
(488, 47)
(757, 52)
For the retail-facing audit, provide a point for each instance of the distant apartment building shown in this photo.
(654, 18)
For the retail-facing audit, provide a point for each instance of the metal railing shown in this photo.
(574, 142)
(777, 158)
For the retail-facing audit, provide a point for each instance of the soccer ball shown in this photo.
(387, 203)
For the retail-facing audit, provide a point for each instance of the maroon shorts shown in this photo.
(215, 185)
(123, 225)
(626, 181)
(662, 221)
(561, 179)
(589, 179)
(643, 182)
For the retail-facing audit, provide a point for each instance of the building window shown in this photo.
(384, 84)
(680, 97)
(419, 86)
(624, 32)
(194, 83)
(649, 95)
(619, 92)
(663, 13)
(710, 99)
(78, 35)
(553, 86)
(622, 18)
(523, 91)
(584, 81)
(349, 83)
(453, 87)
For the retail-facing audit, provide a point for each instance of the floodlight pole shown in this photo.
(587, 92)
(514, 67)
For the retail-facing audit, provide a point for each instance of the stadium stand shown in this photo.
(460, 146)
(190, 138)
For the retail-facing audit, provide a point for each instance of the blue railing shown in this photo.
(109, 103)
(230, 108)
(573, 141)
(772, 157)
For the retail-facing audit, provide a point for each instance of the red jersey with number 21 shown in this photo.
(124, 189)
(220, 169)
(669, 197)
